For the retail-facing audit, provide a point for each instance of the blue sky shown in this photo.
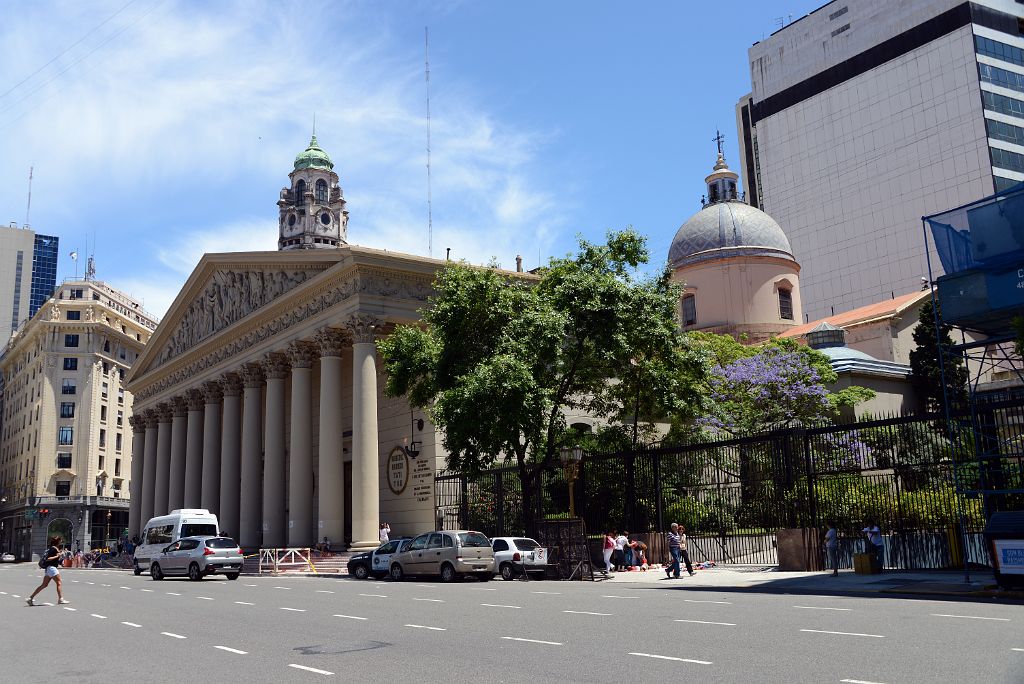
(169, 130)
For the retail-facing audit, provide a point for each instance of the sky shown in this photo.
(158, 130)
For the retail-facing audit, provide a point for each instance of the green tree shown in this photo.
(925, 373)
(501, 358)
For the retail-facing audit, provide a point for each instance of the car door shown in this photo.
(380, 560)
(412, 558)
(502, 552)
(432, 554)
(183, 556)
(168, 557)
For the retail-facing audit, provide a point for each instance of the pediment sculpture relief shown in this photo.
(227, 298)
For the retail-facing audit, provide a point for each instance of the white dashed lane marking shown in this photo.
(550, 593)
(705, 622)
(351, 617)
(131, 624)
(436, 629)
(171, 593)
(857, 634)
(286, 588)
(124, 588)
(533, 641)
(245, 603)
(173, 635)
(324, 591)
(295, 610)
(724, 603)
(204, 598)
(101, 617)
(373, 595)
(431, 600)
(620, 597)
(71, 609)
(586, 612)
(821, 608)
(148, 591)
(498, 605)
(232, 650)
(250, 585)
(680, 660)
(859, 681)
(971, 617)
(309, 669)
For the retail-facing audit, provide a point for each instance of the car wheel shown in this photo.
(137, 570)
(396, 572)
(448, 573)
(155, 572)
(232, 575)
(193, 572)
(507, 573)
(361, 572)
(485, 577)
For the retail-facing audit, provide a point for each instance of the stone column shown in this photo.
(165, 413)
(250, 500)
(194, 448)
(365, 458)
(135, 486)
(231, 456)
(179, 432)
(300, 463)
(150, 467)
(275, 469)
(331, 481)
(209, 490)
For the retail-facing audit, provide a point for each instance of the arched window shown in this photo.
(300, 193)
(689, 310)
(321, 191)
(786, 304)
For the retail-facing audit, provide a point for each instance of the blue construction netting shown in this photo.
(986, 233)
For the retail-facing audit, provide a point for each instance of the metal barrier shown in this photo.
(276, 560)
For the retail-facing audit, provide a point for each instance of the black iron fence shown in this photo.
(903, 473)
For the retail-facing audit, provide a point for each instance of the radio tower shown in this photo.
(430, 215)
(28, 209)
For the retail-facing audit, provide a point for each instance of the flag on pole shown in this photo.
(74, 255)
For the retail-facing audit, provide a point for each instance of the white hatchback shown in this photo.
(514, 555)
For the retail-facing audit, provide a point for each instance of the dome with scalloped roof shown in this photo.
(313, 157)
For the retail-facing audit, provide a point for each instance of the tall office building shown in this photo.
(864, 116)
(28, 275)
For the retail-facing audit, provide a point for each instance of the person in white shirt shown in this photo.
(385, 532)
(875, 544)
(620, 557)
(832, 548)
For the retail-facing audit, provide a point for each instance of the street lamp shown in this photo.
(571, 457)
(106, 540)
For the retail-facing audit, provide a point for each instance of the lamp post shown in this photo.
(106, 539)
(571, 457)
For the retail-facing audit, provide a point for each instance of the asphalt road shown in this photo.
(312, 629)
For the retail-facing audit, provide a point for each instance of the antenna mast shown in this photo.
(28, 209)
(430, 214)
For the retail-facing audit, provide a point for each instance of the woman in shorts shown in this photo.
(52, 560)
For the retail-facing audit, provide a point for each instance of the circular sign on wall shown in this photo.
(398, 471)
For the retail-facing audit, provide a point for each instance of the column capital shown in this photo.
(230, 384)
(332, 342)
(179, 406)
(195, 399)
(252, 375)
(276, 366)
(212, 392)
(364, 327)
(138, 423)
(302, 354)
(164, 412)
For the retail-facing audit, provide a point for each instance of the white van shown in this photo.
(167, 529)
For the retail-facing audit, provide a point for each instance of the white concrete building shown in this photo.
(865, 115)
(66, 445)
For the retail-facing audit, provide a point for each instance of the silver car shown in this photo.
(197, 557)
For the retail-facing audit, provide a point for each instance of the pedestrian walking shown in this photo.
(875, 544)
(385, 532)
(609, 548)
(683, 551)
(50, 562)
(675, 545)
(832, 548)
(619, 557)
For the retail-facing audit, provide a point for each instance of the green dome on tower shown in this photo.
(313, 157)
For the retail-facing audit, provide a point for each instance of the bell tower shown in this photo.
(312, 211)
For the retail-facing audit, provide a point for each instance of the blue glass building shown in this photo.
(44, 271)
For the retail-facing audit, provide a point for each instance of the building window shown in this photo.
(64, 460)
(103, 413)
(321, 191)
(120, 418)
(106, 368)
(1001, 77)
(117, 441)
(994, 102)
(64, 488)
(120, 395)
(997, 130)
(106, 346)
(67, 409)
(103, 438)
(689, 310)
(74, 294)
(997, 50)
(104, 390)
(786, 304)
(117, 469)
(70, 363)
(66, 436)
(1004, 183)
(67, 386)
(1005, 159)
(100, 464)
(71, 340)
(74, 315)
(300, 193)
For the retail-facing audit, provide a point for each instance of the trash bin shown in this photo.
(1004, 537)
(864, 564)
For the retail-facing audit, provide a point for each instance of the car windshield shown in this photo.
(473, 540)
(222, 543)
(526, 544)
(198, 530)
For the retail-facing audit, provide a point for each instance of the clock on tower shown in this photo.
(312, 210)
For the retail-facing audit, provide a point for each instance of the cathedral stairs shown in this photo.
(335, 565)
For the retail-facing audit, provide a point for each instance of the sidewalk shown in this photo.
(751, 578)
